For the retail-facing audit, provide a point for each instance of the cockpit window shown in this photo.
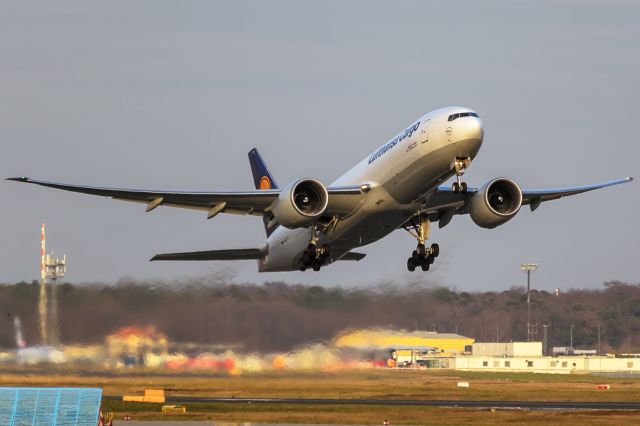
(462, 114)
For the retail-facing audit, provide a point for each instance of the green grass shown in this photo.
(384, 384)
(359, 414)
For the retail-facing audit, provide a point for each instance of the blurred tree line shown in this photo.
(278, 316)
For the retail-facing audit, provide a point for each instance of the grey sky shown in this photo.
(171, 95)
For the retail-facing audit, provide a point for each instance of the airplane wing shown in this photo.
(232, 254)
(534, 197)
(244, 202)
(443, 204)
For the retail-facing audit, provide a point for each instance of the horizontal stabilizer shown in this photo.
(233, 254)
(352, 255)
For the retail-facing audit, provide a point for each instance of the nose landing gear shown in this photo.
(422, 256)
(459, 166)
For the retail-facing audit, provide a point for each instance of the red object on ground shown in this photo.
(604, 387)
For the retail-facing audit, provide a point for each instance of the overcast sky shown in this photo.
(172, 95)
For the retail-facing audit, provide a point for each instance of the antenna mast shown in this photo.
(42, 305)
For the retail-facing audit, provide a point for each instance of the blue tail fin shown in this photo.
(263, 179)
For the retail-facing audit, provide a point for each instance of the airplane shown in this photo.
(398, 186)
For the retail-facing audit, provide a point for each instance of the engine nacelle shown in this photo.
(300, 203)
(495, 203)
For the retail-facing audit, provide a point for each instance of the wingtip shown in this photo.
(18, 179)
(153, 258)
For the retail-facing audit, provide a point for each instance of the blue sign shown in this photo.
(49, 406)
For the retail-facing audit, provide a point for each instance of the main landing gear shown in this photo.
(314, 257)
(422, 256)
(459, 165)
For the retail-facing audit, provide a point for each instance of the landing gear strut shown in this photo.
(422, 256)
(314, 256)
(459, 165)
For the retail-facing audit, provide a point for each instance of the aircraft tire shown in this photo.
(306, 258)
(435, 250)
(410, 265)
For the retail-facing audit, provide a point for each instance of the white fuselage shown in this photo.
(401, 175)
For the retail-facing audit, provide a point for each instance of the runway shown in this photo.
(463, 403)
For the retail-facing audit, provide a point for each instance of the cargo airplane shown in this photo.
(398, 186)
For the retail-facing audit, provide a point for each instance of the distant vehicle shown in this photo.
(562, 350)
(398, 186)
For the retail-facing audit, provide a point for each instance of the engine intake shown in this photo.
(495, 203)
(300, 203)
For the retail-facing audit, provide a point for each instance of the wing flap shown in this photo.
(229, 254)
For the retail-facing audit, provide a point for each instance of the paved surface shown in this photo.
(209, 423)
(541, 405)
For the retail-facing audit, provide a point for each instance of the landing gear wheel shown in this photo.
(459, 165)
(459, 187)
(410, 265)
(423, 256)
(310, 258)
(316, 266)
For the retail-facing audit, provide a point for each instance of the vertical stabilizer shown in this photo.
(262, 179)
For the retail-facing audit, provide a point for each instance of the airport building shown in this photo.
(386, 339)
(147, 347)
(507, 349)
(519, 357)
(547, 364)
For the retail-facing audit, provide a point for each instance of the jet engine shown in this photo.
(300, 203)
(495, 203)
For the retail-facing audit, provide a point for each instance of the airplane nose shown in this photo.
(470, 129)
